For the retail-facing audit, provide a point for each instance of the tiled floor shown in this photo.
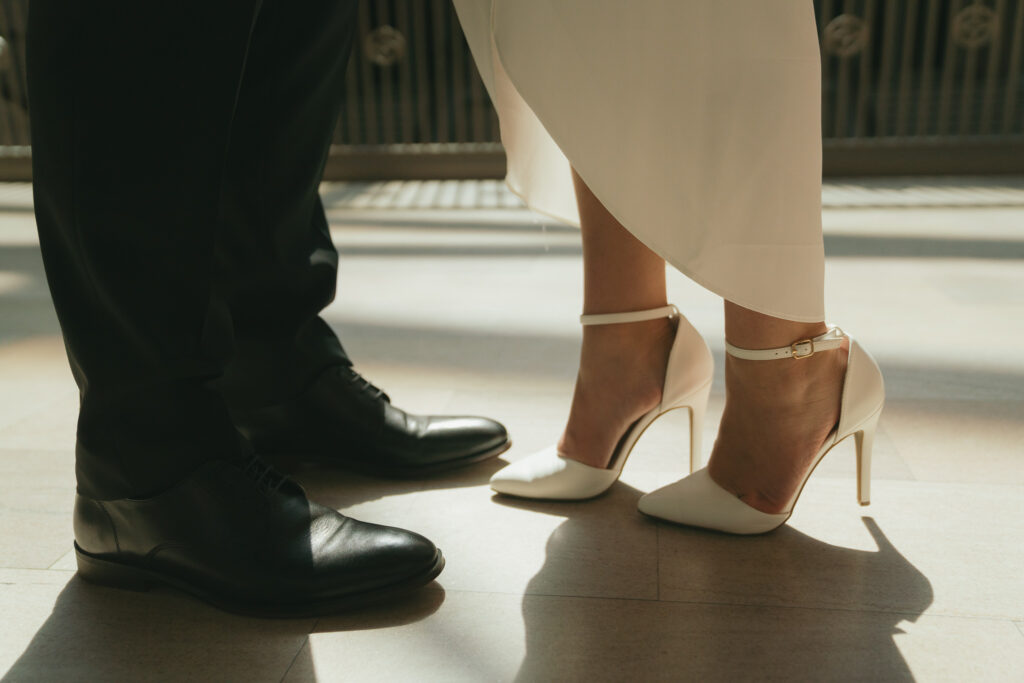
(456, 300)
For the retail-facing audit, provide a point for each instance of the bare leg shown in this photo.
(777, 413)
(622, 367)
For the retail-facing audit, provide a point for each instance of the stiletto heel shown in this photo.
(550, 475)
(697, 500)
(865, 440)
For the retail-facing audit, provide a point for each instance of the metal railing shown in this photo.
(908, 86)
(15, 160)
(921, 68)
(922, 86)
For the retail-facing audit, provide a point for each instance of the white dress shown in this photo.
(695, 122)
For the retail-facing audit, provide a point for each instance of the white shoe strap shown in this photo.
(669, 311)
(805, 348)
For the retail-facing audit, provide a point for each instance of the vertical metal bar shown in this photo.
(457, 41)
(1013, 73)
(843, 86)
(948, 71)
(17, 108)
(884, 86)
(826, 67)
(970, 73)
(371, 124)
(6, 106)
(386, 74)
(440, 80)
(906, 64)
(992, 71)
(864, 85)
(967, 94)
(405, 114)
(479, 104)
(351, 125)
(924, 100)
(424, 92)
(21, 72)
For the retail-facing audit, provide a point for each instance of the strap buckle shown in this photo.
(801, 356)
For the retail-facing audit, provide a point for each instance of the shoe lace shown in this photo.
(267, 479)
(363, 384)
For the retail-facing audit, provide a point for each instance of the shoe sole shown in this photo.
(286, 458)
(105, 572)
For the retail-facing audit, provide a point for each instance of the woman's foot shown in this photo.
(621, 376)
(777, 416)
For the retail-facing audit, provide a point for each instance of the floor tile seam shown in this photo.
(989, 484)
(822, 608)
(657, 560)
(298, 651)
(38, 511)
(1020, 627)
(902, 480)
(825, 476)
(467, 591)
(975, 617)
(49, 568)
(54, 563)
(714, 603)
(16, 449)
(949, 482)
(68, 490)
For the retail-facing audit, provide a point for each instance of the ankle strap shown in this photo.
(805, 348)
(669, 311)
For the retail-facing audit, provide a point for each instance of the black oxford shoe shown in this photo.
(246, 539)
(341, 419)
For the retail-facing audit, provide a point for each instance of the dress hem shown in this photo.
(688, 272)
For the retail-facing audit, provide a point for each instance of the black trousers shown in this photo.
(177, 148)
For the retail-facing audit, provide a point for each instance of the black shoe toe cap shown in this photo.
(363, 556)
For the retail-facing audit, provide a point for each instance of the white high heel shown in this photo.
(698, 501)
(550, 475)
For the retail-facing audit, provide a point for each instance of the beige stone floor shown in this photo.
(456, 300)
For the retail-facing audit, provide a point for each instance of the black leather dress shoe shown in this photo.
(341, 419)
(246, 539)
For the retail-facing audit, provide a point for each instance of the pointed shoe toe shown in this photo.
(548, 475)
(687, 383)
(698, 501)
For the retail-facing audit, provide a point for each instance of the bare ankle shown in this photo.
(621, 377)
(749, 329)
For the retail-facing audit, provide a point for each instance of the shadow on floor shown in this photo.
(104, 634)
(783, 606)
(342, 490)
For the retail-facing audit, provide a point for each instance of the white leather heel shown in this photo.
(865, 440)
(550, 475)
(697, 500)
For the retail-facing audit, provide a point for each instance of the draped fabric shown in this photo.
(695, 122)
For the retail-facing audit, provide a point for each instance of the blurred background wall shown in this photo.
(908, 87)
